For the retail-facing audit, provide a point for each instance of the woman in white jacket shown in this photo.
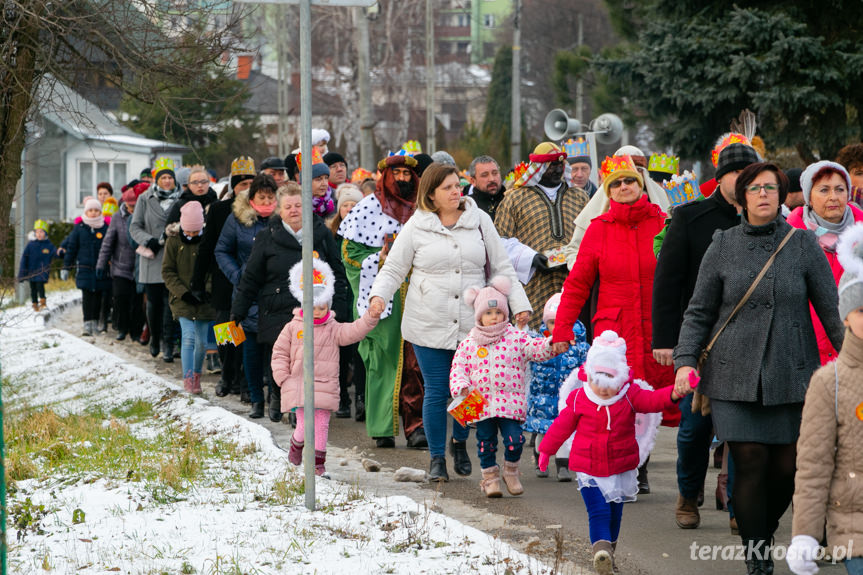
(448, 245)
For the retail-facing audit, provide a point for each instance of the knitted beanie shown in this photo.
(849, 250)
(183, 176)
(331, 158)
(320, 169)
(192, 217)
(323, 282)
(735, 157)
(443, 157)
(491, 296)
(92, 204)
(348, 193)
(811, 170)
(129, 197)
(550, 309)
(606, 361)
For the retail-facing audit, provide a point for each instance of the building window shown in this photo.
(462, 20)
(91, 173)
(488, 20)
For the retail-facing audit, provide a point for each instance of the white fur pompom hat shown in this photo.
(849, 250)
(324, 282)
(492, 295)
(606, 361)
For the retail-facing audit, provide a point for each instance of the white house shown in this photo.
(72, 145)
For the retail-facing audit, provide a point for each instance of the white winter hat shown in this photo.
(324, 282)
(629, 151)
(812, 170)
(320, 135)
(849, 250)
(606, 361)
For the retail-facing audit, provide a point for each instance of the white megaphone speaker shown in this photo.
(608, 128)
(559, 126)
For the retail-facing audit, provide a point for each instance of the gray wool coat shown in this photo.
(771, 340)
(148, 222)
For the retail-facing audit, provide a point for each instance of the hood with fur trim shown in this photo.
(243, 210)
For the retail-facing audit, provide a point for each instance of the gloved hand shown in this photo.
(236, 318)
(543, 461)
(100, 273)
(154, 245)
(801, 555)
(540, 262)
(190, 298)
(201, 295)
(64, 275)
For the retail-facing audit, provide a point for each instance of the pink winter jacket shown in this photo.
(497, 371)
(288, 359)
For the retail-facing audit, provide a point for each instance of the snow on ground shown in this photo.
(231, 520)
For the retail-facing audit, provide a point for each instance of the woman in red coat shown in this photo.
(617, 251)
(826, 211)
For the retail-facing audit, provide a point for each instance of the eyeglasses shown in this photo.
(616, 183)
(769, 189)
(199, 183)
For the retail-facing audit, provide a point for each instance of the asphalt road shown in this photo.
(650, 541)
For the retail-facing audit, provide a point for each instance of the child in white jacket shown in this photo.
(492, 360)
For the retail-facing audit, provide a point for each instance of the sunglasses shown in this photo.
(618, 182)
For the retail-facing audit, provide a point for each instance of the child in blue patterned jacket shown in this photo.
(544, 390)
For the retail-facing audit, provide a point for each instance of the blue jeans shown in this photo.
(435, 366)
(254, 369)
(194, 342)
(854, 566)
(693, 449)
(486, 440)
(211, 338)
(603, 517)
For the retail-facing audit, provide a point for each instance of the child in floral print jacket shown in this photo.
(493, 360)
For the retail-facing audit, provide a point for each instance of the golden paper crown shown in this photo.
(40, 225)
(613, 164)
(243, 166)
(317, 158)
(110, 207)
(163, 163)
(360, 175)
(663, 163)
(412, 147)
(519, 170)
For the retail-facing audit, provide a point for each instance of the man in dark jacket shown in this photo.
(485, 184)
(265, 280)
(687, 239)
(242, 174)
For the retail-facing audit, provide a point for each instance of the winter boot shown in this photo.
(168, 350)
(257, 410)
(145, 338)
(189, 384)
(320, 461)
(511, 478)
(42, 304)
(460, 460)
(490, 483)
(89, 327)
(213, 363)
(223, 388)
(35, 306)
(643, 485)
(686, 514)
(295, 453)
(103, 324)
(196, 384)
(360, 407)
(344, 410)
(603, 557)
(275, 410)
(563, 474)
(437, 469)
(246, 397)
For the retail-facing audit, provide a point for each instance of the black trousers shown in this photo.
(92, 304)
(231, 356)
(37, 291)
(159, 316)
(128, 307)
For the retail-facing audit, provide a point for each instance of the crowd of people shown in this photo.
(568, 307)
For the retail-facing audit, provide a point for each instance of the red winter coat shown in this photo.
(604, 443)
(825, 348)
(617, 250)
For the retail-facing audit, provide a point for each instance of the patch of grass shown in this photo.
(287, 489)
(133, 410)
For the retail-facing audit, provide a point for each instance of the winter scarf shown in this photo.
(94, 223)
(488, 334)
(166, 197)
(324, 205)
(827, 232)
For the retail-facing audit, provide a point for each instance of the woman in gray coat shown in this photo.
(757, 372)
(148, 231)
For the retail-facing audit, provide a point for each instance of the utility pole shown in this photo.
(430, 79)
(515, 118)
(283, 91)
(579, 84)
(367, 123)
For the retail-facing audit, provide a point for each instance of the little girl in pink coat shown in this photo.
(493, 360)
(605, 452)
(287, 361)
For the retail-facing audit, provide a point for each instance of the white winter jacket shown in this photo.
(443, 263)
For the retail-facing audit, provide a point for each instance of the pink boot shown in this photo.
(196, 384)
(189, 384)
(295, 453)
(320, 461)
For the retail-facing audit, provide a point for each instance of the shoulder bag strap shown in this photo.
(487, 266)
(751, 289)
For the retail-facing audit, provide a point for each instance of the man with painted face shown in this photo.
(536, 217)
(392, 373)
